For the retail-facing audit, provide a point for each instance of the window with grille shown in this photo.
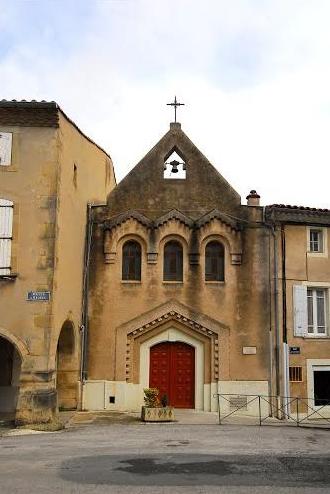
(173, 261)
(295, 374)
(6, 228)
(316, 240)
(214, 262)
(131, 266)
(317, 311)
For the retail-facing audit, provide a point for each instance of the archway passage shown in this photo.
(66, 369)
(172, 371)
(10, 370)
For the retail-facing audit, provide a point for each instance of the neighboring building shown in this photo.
(49, 172)
(302, 240)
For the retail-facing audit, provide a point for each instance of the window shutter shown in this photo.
(5, 148)
(300, 310)
(6, 227)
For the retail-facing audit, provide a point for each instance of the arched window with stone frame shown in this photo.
(173, 261)
(131, 261)
(214, 261)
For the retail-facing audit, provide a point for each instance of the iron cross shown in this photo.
(175, 104)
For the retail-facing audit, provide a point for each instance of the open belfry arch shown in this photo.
(170, 281)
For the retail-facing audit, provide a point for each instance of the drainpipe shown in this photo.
(84, 310)
(284, 325)
(272, 229)
(276, 319)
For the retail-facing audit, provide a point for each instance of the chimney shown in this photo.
(253, 199)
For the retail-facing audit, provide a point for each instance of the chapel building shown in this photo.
(179, 286)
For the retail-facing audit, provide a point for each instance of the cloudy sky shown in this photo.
(254, 75)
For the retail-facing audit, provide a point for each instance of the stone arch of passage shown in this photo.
(12, 353)
(67, 368)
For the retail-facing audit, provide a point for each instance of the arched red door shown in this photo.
(172, 371)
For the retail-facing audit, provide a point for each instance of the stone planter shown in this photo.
(159, 414)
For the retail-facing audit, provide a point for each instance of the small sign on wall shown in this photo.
(249, 350)
(38, 296)
(294, 350)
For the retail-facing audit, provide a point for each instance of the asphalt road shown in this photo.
(167, 458)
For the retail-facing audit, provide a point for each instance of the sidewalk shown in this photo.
(182, 417)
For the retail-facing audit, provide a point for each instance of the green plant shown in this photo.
(164, 400)
(151, 397)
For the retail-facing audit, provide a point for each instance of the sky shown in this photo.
(254, 76)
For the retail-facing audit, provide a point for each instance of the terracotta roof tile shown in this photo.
(299, 208)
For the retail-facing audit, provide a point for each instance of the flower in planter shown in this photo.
(151, 397)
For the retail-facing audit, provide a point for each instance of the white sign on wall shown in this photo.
(5, 148)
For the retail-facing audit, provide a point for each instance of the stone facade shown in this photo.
(54, 172)
(217, 318)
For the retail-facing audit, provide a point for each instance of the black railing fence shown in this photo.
(294, 409)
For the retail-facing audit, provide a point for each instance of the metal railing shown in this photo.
(293, 409)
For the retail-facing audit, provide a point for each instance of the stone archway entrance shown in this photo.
(10, 370)
(66, 368)
(172, 371)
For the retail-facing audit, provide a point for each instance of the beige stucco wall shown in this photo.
(311, 270)
(240, 308)
(31, 183)
(48, 242)
(94, 179)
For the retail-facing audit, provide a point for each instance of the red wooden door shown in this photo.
(172, 371)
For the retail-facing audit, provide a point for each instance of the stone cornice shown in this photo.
(223, 217)
(174, 214)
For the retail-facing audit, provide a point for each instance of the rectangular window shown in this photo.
(5, 148)
(315, 240)
(317, 311)
(6, 227)
(321, 387)
(295, 374)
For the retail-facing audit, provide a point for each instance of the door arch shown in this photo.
(10, 371)
(66, 368)
(172, 371)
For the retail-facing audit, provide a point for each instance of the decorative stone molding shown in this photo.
(152, 257)
(174, 214)
(223, 217)
(194, 258)
(109, 257)
(236, 259)
(178, 313)
(127, 215)
(214, 223)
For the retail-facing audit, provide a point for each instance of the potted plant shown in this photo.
(156, 409)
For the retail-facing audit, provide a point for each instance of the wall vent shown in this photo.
(295, 374)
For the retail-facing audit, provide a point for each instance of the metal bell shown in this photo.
(174, 164)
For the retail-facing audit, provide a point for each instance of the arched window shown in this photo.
(214, 262)
(131, 261)
(173, 265)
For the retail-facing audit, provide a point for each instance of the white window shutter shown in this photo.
(5, 148)
(6, 229)
(300, 310)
